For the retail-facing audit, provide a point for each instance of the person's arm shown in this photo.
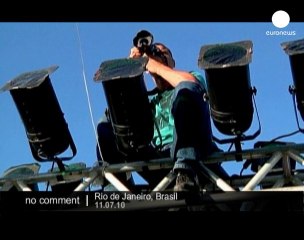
(173, 76)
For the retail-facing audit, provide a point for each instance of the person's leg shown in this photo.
(154, 177)
(193, 135)
(111, 154)
(107, 151)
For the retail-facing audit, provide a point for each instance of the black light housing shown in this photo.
(128, 103)
(39, 109)
(229, 89)
(295, 51)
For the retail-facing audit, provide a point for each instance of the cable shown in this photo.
(87, 91)
(48, 183)
(285, 135)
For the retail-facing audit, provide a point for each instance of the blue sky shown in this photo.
(31, 46)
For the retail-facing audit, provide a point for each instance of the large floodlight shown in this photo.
(229, 89)
(39, 109)
(128, 103)
(295, 50)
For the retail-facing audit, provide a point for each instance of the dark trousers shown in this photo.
(192, 133)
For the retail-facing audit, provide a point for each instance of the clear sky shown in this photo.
(31, 46)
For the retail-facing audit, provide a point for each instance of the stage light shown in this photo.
(229, 91)
(39, 109)
(24, 170)
(128, 103)
(295, 50)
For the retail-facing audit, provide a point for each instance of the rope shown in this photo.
(87, 91)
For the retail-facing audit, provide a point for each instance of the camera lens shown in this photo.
(143, 40)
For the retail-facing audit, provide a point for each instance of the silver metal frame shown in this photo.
(246, 183)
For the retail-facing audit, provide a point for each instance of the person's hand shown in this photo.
(135, 53)
(97, 75)
(152, 65)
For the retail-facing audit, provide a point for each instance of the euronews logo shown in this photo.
(280, 19)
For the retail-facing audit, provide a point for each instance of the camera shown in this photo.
(144, 42)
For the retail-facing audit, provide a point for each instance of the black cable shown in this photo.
(48, 183)
(292, 92)
(285, 135)
(159, 135)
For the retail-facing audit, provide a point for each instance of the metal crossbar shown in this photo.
(89, 175)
